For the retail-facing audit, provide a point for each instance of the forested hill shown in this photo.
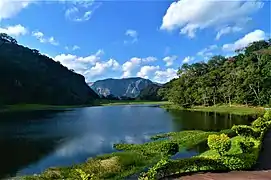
(150, 93)
(243, 79)
(29, 77)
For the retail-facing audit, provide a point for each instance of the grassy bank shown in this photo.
(132, 159)
(234, 109)
(129, 102)
(37, 107)
(225, 154)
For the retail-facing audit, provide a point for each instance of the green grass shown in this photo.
(234, 109)
(131, 102)
(132, 159)
(36, 107)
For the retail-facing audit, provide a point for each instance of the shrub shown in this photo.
(166, 168)
(82, 174)
(221, 143)
(246, 131)
(258, 123)
(246, 146)
(267, 115)
(170, 148)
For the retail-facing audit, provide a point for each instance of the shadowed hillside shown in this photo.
(29, 77)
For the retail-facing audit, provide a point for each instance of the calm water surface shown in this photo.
(33, 141)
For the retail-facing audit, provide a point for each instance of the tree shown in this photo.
(244, 78)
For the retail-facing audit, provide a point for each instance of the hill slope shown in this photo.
(150, 93)
(128, 87)
(29, 77)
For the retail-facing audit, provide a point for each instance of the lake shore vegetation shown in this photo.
(237, 148)
(242, 79)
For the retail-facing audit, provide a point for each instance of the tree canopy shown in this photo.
(30, 77)
(244, 79)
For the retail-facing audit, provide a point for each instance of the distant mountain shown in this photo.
(150, 93)
(128, 87)
(28, 77)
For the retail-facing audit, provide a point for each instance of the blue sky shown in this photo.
(150, 39)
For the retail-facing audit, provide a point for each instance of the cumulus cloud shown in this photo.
(170, 60)
(129, 66)
(189, 16)
(165, 76)
(41, 37)
(102, 67)
(145, 71)
(10, 8)
(80, 10)
(253, 36)
(16, 30)
(90, 66)
(132, 34)
(188, 59)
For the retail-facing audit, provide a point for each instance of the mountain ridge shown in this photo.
(123, 87)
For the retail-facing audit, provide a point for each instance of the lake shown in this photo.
(33, 141)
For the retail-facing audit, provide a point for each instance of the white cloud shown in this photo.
(41, 37)
(188, 59)
(145, 71)
(89, 66)
(192, 15)
(165, 76)
(81, 10)
(16, 30)
(227, 30)
(129, 66)
(206, 53)
(73, 48)
(102, 67)
(133, 34)
(169, 60)
(10, 8)
(253, 36)
(149, 59)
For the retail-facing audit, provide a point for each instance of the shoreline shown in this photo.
(234, 109)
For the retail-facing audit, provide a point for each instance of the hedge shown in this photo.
(242, 155)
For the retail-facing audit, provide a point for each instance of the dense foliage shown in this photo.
(242, 154)
(244, 79)
(150, 93)
(220, 143)
(28, 77)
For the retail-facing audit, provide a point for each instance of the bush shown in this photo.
(246, 146)
(166, 168)
(246, 131)
(220, 143)
(267, 115)
(170, 148)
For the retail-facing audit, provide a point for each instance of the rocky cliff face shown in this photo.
(128, 87)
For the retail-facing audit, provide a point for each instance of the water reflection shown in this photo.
(33, 141)
(186, 120)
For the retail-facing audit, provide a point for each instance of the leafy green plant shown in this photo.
(153, 172)
(267, 115)
(170, 148)
(83, 175)
(246, 131)
(246, 146)
(220, 143)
